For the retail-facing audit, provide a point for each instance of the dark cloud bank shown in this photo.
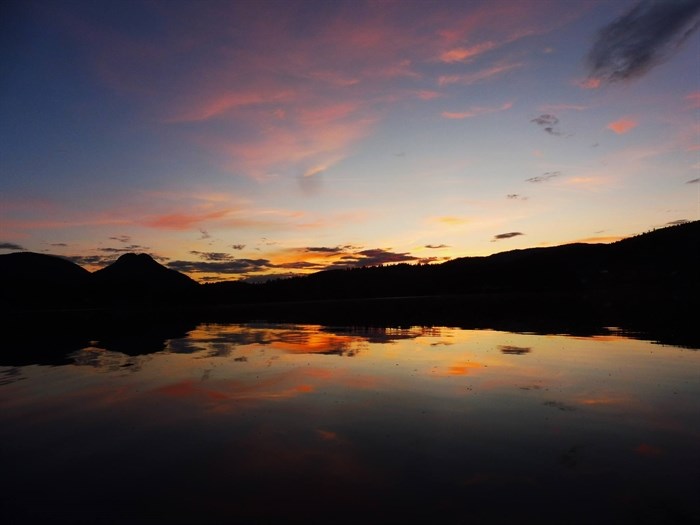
(10, 246)
(642, 38)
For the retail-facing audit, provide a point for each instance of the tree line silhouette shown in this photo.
(658, 266)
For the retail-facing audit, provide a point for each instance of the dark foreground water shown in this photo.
(295, 423)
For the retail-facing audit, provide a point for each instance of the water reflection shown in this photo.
(298, 423)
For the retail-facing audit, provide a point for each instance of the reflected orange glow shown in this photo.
(461, 369)
(181, 389)
(604, 401)
(274, 387)
(484, 478)
(608, 337)
(647, 450)
(326, 435)
(316, 342)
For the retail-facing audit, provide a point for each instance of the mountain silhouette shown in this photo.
(661, 262)
(36, 281)
(135, 278)
(642, 273)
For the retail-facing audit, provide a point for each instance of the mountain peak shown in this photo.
(140, 270)
(136, 258)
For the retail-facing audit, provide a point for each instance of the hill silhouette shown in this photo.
(659, 262)
(138, 278)
(36, 281)
(641, 274)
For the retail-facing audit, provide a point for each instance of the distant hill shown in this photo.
(659, 266)
(661, 261)
(135, 278)
(35, 281)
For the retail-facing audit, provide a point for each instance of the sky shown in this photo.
(243, 140)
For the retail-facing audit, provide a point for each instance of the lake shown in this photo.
(263, 423)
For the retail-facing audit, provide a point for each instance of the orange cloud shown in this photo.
(475, 111)
(587, 182)
(450, 220)
(622, 125)
(463, 54)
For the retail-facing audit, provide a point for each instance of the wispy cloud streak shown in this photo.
(475, 111)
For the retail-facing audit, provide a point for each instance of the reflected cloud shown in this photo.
(646, 450)
(559, 405)
(107, 361)
(514, 350)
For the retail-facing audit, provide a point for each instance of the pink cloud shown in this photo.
(475, 111)
(205, 108)
(623, 125)
(310, 136)
(693, 100)
(589, 83)
(182, 221)
(428, 95)
(286, 112)
(334, 78)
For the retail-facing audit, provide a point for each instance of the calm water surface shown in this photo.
(295, 423)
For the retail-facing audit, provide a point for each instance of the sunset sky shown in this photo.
(241, 139)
